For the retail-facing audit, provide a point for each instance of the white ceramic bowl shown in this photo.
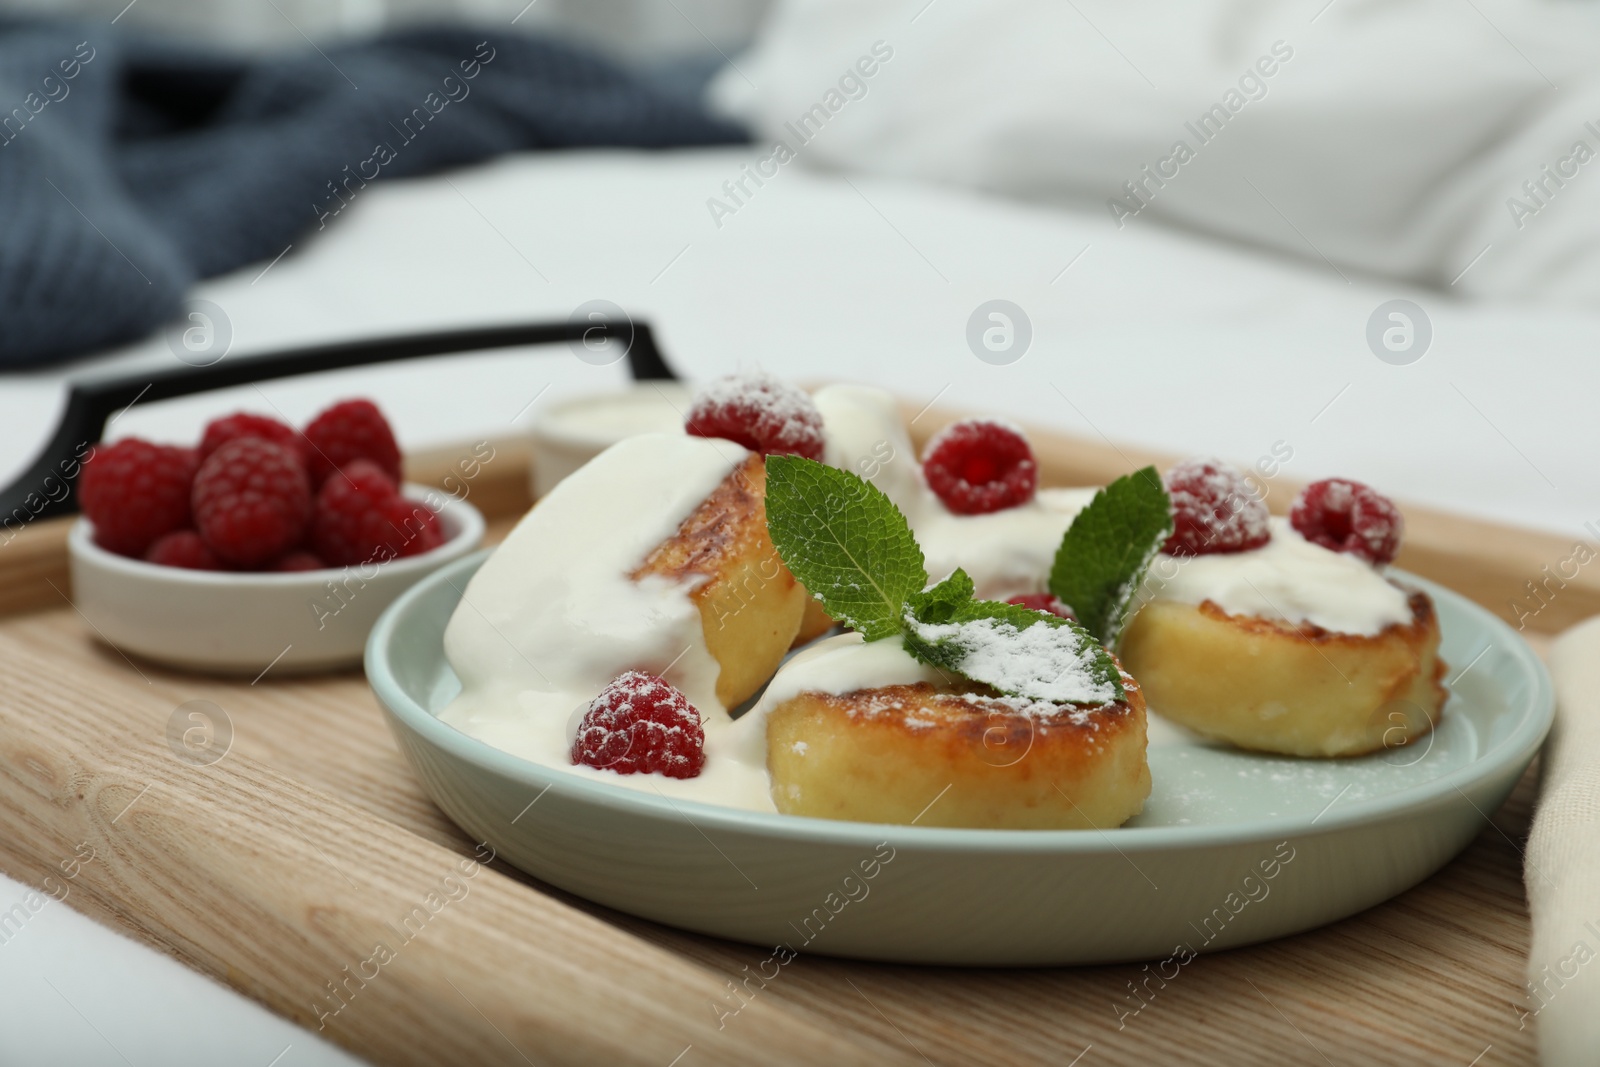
(242, 623)
(577, 429)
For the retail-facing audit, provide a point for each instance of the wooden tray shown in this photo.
(279, 868)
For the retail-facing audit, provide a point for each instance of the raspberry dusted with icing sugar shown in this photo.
(1045, 602)
(219, 432)
(251, 501)
(350, 430)
(641, 724)
(1214, 510)
(1346, 516)
(980, 465)
(135, 492)
(183, 548)
(759, 412)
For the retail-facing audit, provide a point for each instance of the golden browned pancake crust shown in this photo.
(1272, 686)
(949, 755)
(750, 605)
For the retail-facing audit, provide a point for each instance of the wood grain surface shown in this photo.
(273, 868)
(405, 949)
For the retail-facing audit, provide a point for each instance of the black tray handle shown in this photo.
(47, 487)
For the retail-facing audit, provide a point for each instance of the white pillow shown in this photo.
(1383, 136)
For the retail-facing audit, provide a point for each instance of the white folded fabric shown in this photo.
(1444, 143)
(1563, 863)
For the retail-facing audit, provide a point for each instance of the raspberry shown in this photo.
(416, 528)
(760, 413)
(1044, 602)
(979, 465)
(219, 432)
(361, 516)
(1346, 516)
(641, 724)
(134, 492)
(1214, 510)
(299, 561)
(251, 501)
(183, 548)
(351, 429)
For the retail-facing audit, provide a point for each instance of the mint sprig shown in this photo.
(853, 549)
(845, 541)
(939, 603)
(1108, 548)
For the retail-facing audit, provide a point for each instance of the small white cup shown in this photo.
(576, 430)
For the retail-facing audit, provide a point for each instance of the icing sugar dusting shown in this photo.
(1215, 508)
(772, 413)
(1043, 709)
(1033, 662)
(641, 723)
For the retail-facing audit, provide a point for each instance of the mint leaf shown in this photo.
(845, 541)
(1020, 652)
(1104, 555)
(940, 603)
(853, 549)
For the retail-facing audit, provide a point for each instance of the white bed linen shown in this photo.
(1144, 335)
(1389, 137)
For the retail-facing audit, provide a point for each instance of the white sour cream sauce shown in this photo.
(1010, 552)
(1007, 553)
(1287, 578)
(552, 617)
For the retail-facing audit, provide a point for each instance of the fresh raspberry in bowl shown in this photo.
(759, 412)
(246, 498)
(135, 492)
(183, 548)
(209, 562)
(219, 432)
(641, 724)
(977, 466)
(360, 516)
(417, 525)
(1214, 510)
(251, 501)
(350, 430)
(1346, 516)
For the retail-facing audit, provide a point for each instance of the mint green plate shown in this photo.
(1231, 848)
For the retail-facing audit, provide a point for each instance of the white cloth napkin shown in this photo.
(1563, 863)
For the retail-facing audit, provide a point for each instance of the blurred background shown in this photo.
(1212, 206)
(644, 30)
